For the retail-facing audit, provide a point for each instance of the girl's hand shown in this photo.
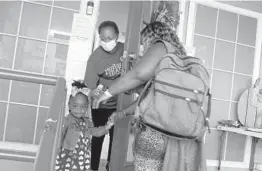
(98, 131)
(117, 116)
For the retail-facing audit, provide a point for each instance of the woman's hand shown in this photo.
(98, 131)
(117, 116)
(103, 97)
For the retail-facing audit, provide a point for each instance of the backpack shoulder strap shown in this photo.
(169, 47)
(141, 96)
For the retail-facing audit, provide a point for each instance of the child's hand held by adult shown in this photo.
(98, 131)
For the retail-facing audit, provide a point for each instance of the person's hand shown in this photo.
(94, 93)
(117, 116)
(113, 117)
(103, 97)
(98, 131)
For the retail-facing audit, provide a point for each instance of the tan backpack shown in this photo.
(177, 101)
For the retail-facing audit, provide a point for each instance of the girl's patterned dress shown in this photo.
(79, 158)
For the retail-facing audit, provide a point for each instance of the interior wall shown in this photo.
(116, 11)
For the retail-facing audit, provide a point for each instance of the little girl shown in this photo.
(74, 150)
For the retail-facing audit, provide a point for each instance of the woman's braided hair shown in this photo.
(161, 31)
(163, 26)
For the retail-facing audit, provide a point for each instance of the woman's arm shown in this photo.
(141, 73)
(102, 130)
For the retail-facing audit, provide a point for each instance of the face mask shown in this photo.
(108, 46)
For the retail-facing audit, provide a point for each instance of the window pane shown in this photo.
(245, 59)
(20, 124)
(221, 85)
(235, 148)
(61, 25)
(68, 4)
(40, 124)
(4, 90)
(9, 16)
(233, 113)
(247, 30)
(30, 55)
(24, 92)
(56, 59)
(241, 83)
(219, 111)
(224, 55)
(227, 25)
(7, 47)
(46, 95)
(206, 20)
(209, 72)
(213, 142)
(204, 49)
(2, 119)
(35, 20)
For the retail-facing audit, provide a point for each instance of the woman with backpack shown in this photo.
(153, 150)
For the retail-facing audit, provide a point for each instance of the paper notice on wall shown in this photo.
(83, 26)
(79, 49)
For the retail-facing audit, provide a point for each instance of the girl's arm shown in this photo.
(95, 131)
(102, 130)
(130, 110)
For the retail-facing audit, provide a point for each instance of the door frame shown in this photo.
(121, 129)
(256, 69)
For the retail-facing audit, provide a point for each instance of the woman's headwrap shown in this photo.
(166, 12)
